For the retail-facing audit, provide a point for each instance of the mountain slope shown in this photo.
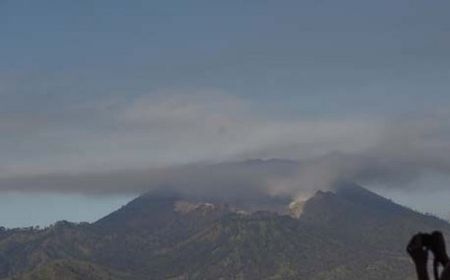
(348, 234)
(359, 216)
(70, 270)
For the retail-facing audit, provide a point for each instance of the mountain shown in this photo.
(350, 233)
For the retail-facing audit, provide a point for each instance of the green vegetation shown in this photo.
(70, 270)
(350, 234)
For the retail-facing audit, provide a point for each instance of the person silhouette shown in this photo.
(418, 248)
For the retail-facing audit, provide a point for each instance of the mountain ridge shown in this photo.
(349, 233)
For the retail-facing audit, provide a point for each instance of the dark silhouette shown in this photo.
(418, 248)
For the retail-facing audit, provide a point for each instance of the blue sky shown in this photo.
(316, 57)
(91, 86)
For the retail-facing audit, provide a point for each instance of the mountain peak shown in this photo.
(337, 235)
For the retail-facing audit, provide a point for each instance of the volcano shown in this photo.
(349, 233)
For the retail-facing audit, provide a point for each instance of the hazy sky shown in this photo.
(98, 86)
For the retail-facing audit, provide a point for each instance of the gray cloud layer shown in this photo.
(172, 141)
(167, 129)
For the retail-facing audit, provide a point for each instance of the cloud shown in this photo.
(177, 140)
(408, 154)
(170, 128)
(238, 179)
